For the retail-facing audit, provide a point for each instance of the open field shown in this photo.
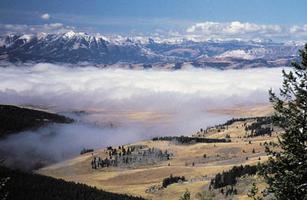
(245, 111)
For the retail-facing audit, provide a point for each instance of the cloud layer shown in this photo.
(128, 97)
(121, 106)
(96, 86)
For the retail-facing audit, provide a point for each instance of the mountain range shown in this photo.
(73, 47)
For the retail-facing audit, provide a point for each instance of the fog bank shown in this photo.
(116, 106)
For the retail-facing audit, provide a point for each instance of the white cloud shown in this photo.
(14, 27)
(45, 16)
(28, 29)
(299, 31)
(231, 28)
(245, 31)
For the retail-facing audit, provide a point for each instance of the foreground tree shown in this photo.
(286, 173)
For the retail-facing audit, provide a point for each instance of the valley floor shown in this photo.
(188, 160)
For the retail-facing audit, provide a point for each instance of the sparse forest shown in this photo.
(131, 155)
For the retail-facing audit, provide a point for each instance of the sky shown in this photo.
(137, 17)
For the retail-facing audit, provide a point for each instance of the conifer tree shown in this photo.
(286, 172)
(253, 193)
(186, 195)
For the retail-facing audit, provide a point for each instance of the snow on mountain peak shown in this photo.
(236, 54)
(26, 37)
(69, 34)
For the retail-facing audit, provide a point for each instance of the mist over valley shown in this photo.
(119, 106)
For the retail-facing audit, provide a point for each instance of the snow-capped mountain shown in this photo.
(72, 47)
(247, 55)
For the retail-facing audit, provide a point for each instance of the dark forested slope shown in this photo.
(24, 186)
(15, 119)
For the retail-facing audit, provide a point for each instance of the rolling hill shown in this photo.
(144, 169)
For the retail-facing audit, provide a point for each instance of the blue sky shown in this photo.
(146, 16)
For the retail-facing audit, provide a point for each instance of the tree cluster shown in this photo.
(84, 151)
(230, 177)
(262, 126)
(136, 154)
(172, 179)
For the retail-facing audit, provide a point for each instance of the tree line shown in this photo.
(190, 140)
(224, 126)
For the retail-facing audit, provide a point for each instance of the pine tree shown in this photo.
(286, 172)
(253, 193)
(186, 195)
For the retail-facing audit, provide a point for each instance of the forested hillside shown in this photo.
(15, 119)
(24, 186)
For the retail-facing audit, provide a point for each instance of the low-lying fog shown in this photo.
(117, 106)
